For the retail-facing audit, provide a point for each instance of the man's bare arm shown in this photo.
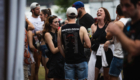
(132, 46)
(59, 42)
(86, 37)
(30, 25)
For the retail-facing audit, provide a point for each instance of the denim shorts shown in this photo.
(81, 69)
(43, 49)
(116, 67)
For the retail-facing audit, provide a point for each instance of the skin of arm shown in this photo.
(84, 33)
(109, 34)
(59, 42)
(48, 40)
(93, 28)
(131, 46)
(30, 25)
(30, 40)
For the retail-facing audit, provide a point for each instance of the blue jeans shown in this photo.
(43, 49)
(81, 69)
(116, 67)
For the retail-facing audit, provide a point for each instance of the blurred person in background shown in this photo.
(44, 14)
(115, 69)
(99, 38)
(36, 21)
(84, 19)
(27, 60)
(71, 38)
(56, 60)
(129, 38)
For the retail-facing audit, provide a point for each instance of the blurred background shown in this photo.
(12, 20)
(59, 7)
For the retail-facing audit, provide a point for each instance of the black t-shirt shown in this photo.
(73, 47)
(131, 69)
(86, 21)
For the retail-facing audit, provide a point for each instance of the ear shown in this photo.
(32, 10)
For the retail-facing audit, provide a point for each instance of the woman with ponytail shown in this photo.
(44, 14)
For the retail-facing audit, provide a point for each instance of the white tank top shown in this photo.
(118, 52)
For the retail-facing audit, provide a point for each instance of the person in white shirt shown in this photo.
(36, 21)
(117, 61)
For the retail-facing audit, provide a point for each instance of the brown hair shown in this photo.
(47, 27)
(107, 18)
(46, 11)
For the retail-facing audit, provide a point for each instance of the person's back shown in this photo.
(73, 47)
(72, 37)
(84, 19)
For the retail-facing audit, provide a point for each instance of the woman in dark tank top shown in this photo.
(56, 61)
(99, 31)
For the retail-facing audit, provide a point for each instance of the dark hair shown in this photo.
(46, 11)
(47, 27)
(134, 2)
(119, 10)
(107, 19)
(72, 16)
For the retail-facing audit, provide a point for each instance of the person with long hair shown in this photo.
(99, 35)
(44, 14)
(56, 61)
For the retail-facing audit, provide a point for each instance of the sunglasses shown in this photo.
(52, 15)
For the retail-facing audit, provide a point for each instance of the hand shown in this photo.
(106, 45)
(36, 51)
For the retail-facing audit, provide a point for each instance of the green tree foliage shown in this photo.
(63, 5)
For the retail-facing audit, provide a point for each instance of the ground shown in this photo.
(41, 73)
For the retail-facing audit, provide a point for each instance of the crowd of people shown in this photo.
(83, 47)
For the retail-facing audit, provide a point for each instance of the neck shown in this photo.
(135, 18)
(101, 23)
(53, 30)
(121, 16)
(71, 21)
(34, 16)
(83, 13)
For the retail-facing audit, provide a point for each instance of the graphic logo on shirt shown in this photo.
(71, 42)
